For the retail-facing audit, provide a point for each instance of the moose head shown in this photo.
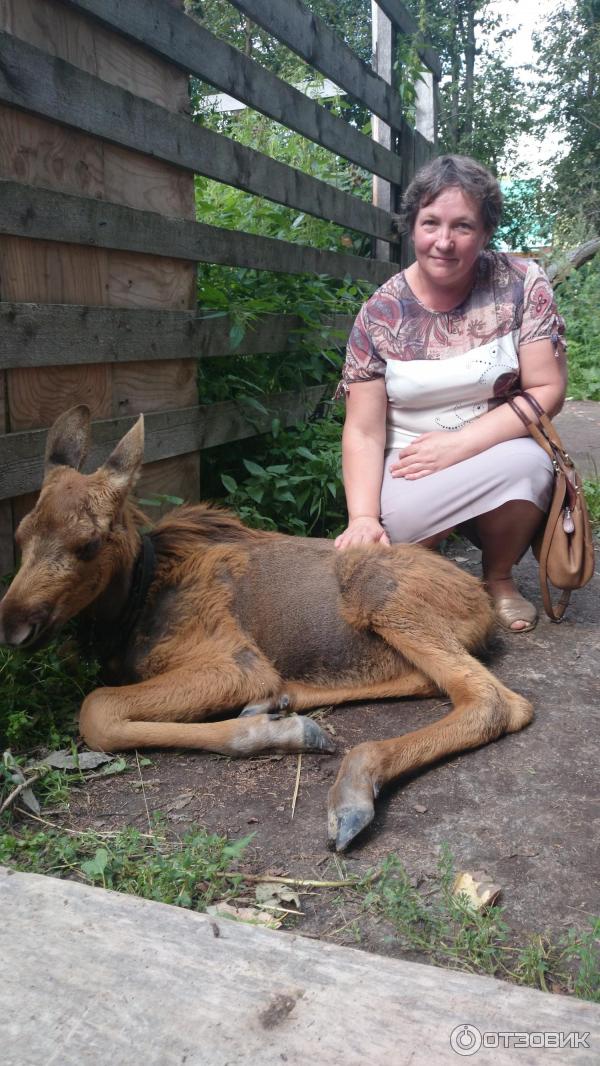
(77, 536)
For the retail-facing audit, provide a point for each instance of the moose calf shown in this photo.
(203, 616)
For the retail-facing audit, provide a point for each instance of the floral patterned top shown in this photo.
(443, 369)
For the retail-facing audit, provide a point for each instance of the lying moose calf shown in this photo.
(203, 617)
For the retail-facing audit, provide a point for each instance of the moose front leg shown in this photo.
(163, 712)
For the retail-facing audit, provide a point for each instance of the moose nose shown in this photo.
(18, 635)
(19, 626)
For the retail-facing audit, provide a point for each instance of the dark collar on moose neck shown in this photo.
(104, 640)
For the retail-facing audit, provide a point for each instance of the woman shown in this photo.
(429, 442)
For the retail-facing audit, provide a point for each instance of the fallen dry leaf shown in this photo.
(479, 890)
(275, 894)
(244, 914)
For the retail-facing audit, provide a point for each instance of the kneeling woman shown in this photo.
(429, 442)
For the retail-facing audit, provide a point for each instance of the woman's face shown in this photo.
(448, 236)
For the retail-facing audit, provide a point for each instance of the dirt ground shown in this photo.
(524, 809)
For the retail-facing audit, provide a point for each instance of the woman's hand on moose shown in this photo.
(361, 531)
(429, 453)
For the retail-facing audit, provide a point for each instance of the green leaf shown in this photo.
(229, 483)
(95, 867)
(117, 766)
(304, 452)
(255, 469)
(236, 335)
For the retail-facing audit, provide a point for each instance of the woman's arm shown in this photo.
(363, 445)
(543, 374)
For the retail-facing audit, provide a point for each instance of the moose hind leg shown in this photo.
(483, 710)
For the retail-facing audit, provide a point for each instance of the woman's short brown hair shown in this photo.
(458, 171)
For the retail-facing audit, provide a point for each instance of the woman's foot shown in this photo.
(513, 611)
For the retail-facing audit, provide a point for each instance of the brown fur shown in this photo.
(240, 618)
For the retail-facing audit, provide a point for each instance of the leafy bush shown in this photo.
(293, 481)
(579, 301)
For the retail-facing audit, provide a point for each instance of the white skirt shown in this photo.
(513, 470)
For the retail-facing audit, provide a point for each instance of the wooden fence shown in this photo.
(98, 233)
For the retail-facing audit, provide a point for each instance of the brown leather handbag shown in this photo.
(564, 546)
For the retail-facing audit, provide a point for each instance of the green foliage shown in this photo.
(526, 223)
(592, 496)
(40, 695)
(483, 102)
(568, 98)
(188, 873)
(293, 481)
(579, 300)
(448, 930)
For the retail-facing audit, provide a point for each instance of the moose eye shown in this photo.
(88, 551)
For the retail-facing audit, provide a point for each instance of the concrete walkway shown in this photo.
(579, 427)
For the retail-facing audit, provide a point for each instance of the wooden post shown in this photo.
(426, 107)
(39, 152)
(385, 194)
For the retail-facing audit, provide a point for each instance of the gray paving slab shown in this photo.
(579, 427)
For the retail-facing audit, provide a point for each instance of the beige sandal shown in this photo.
(515, 608)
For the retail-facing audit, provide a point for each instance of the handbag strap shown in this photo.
(554, 516)
(545, 435)
(546, 427)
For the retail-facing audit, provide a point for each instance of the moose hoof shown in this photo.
(273, 706)
(351, 806)
(344, 825)
(315, 738)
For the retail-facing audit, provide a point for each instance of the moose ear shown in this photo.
(68, 439)
(123, 464)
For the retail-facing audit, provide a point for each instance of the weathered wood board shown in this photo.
(168, 434)
(93, 977)
(44, 154)
(60, 92)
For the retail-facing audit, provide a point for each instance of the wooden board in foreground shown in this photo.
(93, 977)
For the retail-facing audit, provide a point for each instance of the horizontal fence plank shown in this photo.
(35, 335)
(181, 40)
(313, 40)
(168, 433)
(40, 83)
(407, 23)
(42, 214)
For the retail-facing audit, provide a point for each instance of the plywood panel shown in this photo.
(47, 272)
(136, 280)
(179, 476)
(147, 184)
(121, 62)
(52, 29)
(38, 152)
(73, 37)
(38, 396)
(154, 386)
